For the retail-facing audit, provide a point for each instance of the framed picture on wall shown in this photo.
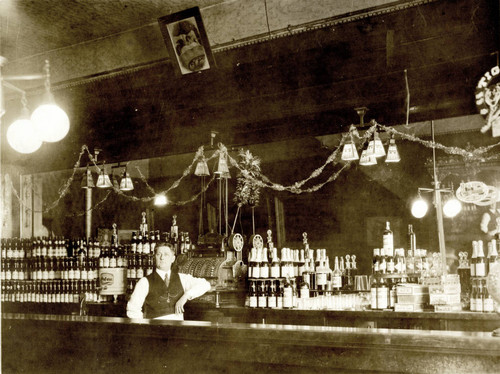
(186, 41)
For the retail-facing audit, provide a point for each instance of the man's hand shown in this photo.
(179, 305)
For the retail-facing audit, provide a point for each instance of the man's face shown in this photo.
(164, 258)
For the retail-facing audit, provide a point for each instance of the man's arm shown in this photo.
(134, 305)
(193, 288)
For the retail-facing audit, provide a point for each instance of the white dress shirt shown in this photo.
(193, 287)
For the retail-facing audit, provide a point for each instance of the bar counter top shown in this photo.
(210, 347)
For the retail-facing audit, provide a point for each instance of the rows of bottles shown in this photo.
(286, 281)
(54, 291)
(474, 274)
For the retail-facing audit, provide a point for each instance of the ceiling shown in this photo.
(285, 69)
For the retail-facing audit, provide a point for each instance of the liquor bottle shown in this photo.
(262, 294)
(139, 269)
(390, 261)
(146, 247)
(488, 304)
(343, 272)
(296, 262)
(373, 293)
(336, 275)
(473, 259)
(271, 295)
(252, 295)
(256, 263)
(152, 242)
(112, 257)
(382, 295)
(302, 262)
(321, 272)
(473, 297)
(479, 296)
(251, 262)
(287, 294)
(412, 239)
(388, 239)
(376, 261)
(138, 248)
(304, 290)
(132, 267)
(480, 260)
(275, 265)
(382, 267)
(174, 233)
(133, 242)
(264, 265)
(279, 294)
(492, 253)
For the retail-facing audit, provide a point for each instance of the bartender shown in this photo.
(163, 293)
(490, 221)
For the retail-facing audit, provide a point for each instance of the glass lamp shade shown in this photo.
(126, 183)
(452, 207)
(349, 153)
(222, 167)
(160, 200)
(103, 180)
(367, 158)
(51, 122)
(87, 180)
(392, 152)
(202, 168)
(419, 208)
(22, 136)
(375, 146)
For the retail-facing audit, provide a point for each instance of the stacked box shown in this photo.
(411, 297)
(445, 296)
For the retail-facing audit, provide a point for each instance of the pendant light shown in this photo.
(126, 183)
(21, 134)
(419, 207)
(375, 146)
(367, 158)
(51, 122)
(202, 168)
(103, 181)
(222, 168)
(349, 152)
(392, 151)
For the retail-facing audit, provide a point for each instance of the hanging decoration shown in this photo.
(250, 175)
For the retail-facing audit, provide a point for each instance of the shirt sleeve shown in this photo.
(193, 287)
(134, 305)
(485, 221)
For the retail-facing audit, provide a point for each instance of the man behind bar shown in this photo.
(163, 293)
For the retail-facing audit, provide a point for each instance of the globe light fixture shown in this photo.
(21, 134)
(419, 208)
(452, 207)
(51, 122)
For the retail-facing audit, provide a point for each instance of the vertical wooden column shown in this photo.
(6, 206)
(26, 206)
(37, 190)
(280, 222)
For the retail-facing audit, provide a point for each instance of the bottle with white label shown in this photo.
(382, 295)
(252, 295)
(480, 260)
(388, 239)
(336, 275)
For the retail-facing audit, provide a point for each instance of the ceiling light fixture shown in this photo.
(20, 133)
(51, 122)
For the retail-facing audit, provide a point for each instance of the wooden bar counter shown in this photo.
(35, 343)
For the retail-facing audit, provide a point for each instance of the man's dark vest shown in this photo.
(161, 300)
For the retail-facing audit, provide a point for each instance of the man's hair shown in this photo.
(164, 244)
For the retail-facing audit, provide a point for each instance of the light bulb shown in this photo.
(160, 200)
(22, 136)
(419, 208)
(51, 122)
(452, 207)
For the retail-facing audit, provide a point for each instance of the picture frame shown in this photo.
(187, 42)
